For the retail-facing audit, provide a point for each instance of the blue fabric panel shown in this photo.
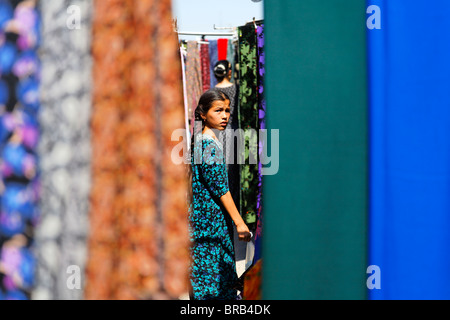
(409, 89)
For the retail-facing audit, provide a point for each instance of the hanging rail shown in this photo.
(212, 34)
(208, 34)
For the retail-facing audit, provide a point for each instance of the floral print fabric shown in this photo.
(248, 121)
(205, 65)
(19, 136)
(213, 270)
(252, 279)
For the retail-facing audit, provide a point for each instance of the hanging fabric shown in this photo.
(222, 48)
(261, 125)
(252, 284)
(64, 153)
(19, 132)
(194, 85)
(315, 206)
(231, 58)
(185, 96)
(205, 65)
(409, 154)
(248, 121)
(138, 244)
(213, 58)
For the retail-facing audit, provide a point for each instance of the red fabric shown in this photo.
(205, 65)
(222, 45)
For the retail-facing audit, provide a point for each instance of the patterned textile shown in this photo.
(213, 269)
(248, 121)
(205, 65)
(252, 279)
(138, 244)
(261, 73)
(231, 52)
(213, 58)
(19, 133)
(64, 151)
(262, 125)
(193, 79)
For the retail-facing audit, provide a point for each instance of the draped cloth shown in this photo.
(213, 58)
(252, 284)
(315, 206)
(194, 84)
(261, 125)
(248, 121)
(409, 154)
(205, 65)
(64, 152)
(231, 52)
(19, 137)
(185, 97)
(222, 48)
(138, 243)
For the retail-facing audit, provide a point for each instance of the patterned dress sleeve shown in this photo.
(214, 170)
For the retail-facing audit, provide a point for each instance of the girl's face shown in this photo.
(218, 115)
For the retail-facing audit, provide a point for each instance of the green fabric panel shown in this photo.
(248, 121)
(315, 225)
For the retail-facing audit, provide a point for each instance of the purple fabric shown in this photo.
(262, 125)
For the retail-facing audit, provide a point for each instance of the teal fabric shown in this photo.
(315, 207)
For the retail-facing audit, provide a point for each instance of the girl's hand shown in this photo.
(243, 232)
(241, 228)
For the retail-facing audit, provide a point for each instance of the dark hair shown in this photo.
(221, 69)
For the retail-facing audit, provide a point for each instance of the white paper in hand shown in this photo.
(250, 253)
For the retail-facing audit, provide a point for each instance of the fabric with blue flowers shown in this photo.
(19, 135)
(213, 269)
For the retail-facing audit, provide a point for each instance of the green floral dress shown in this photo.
(213, 269)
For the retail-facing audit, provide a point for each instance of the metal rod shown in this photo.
(209, 34)
(224, 28)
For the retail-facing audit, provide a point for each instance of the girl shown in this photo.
(212, 209)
